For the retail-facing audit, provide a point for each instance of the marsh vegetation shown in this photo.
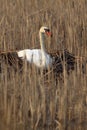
(30, 100)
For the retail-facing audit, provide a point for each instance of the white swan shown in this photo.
(39, 57)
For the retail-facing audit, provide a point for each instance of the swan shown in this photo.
(39, 57)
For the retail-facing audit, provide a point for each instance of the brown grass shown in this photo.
(26, 100)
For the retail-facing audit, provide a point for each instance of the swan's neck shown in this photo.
(42, 38)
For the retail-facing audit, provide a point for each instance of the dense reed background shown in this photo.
(27, 99)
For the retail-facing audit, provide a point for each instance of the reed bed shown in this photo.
(28, 99)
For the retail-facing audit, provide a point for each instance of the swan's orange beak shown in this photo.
(49, 33)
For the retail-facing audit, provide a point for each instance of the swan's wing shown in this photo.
(11, 59)
(26, 54)
(32, 56)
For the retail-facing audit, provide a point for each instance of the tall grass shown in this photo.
(30, 100)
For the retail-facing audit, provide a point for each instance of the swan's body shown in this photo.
(39, 57)
(36, 57)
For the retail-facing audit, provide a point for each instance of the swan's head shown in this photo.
(45, 30)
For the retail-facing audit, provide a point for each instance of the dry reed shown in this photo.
(26, 100)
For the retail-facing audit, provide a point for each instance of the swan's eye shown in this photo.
(47, 30)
